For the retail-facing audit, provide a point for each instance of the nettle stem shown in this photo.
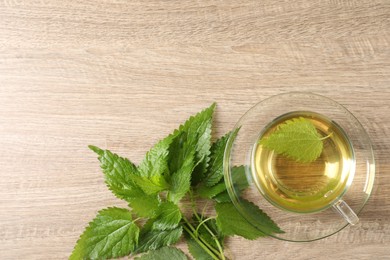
(326, 137)
(206, 246)
(201, 223)
(215, 252)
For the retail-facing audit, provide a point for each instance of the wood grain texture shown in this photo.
(122, 74)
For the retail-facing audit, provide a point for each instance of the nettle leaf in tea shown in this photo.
(296, 138)
(175, 172)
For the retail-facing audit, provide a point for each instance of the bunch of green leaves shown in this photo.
(183, 167)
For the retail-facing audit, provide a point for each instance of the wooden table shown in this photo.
(122, 74)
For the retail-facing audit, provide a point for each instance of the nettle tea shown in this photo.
(302, 162)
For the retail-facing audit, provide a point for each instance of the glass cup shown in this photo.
(338, 212)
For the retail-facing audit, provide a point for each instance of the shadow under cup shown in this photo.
(299, 225)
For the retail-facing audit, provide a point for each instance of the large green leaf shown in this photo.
(168, 216)
(215, 171)
(189, 153)
(231, 222)
(195, 135)
(180, 181)
(296, 138)
(118, 173)
(153, 239)
(111, 234)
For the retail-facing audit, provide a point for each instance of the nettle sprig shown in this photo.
(180, 170)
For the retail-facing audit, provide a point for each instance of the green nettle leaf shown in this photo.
(179, 151)
(296, 138)
(189, 153)
(240, 184)
(118, 173)
(197, 131)
(239, 178)
(222, 197)
(260, 219)
(154, 239)
(155, 162)
(218, 192)
(164, 253)
(111, 234)
(231, 222)
(145, 205)
(196, 250)
(215, 170)
(150, 185)
(123, 179)
(210, 192)
(153, 169)
(181, 167)
(181, 181)
(169, 216)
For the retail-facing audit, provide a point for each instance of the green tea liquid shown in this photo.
(305, 187)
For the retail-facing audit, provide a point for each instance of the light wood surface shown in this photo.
(122, 74)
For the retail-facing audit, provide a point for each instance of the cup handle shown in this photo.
(346, 212)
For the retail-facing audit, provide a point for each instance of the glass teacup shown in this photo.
(308, 201)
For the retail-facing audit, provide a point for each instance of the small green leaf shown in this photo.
(179, 150)
(168, 216)
(296, 138)
(118, 174)
(111, 234)
(124, 180)
(218, 192)
(209, 192)
(180, 181)
(164, 253)
(154, 239)
(189, 153)
(153, 169)
(240, 183)
(196, 250)
(196, 134)
(222, 197)
(151, 184)
(155, 162)
(145, 205)
(231, 222)
(215, 171)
